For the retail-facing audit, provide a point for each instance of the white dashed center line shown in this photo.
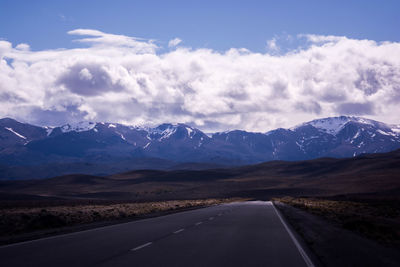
(178, 231)
(142, 246)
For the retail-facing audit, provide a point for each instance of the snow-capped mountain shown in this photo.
(334, 125)
(144, 138)
(345, 137)
(112, 142)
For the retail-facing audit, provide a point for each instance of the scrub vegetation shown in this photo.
(23, 218)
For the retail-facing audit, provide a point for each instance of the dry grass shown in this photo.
(17, 220)
(377, 220)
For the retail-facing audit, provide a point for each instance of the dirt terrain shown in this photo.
(373, 175)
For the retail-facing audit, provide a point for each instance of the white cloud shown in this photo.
(122, 79)
(98, 38)
(174, 42)
(24, 47)
(272, 45)
(322, 38)
(85, 74)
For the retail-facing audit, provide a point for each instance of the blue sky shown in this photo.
(219, 25)
(215, 65)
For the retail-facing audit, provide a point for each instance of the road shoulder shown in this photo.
(334, 246)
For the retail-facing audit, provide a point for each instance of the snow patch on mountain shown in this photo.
(387, 133)
(82, 126)
(14, 132)
(356, 135)
(395, 129)
(164, 131)
(330, 125)
(167, 133)
(49, 130)
(334, 125)
(189, 131)
(122, 136)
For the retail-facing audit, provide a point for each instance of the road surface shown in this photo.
(235, 234)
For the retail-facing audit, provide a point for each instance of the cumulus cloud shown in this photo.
(123, 79)
(89, 80)
(23, 47)
(174, 42)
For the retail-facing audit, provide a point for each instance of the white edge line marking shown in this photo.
(198, 223)
(301, 250)
(178, 231)
(142, 246)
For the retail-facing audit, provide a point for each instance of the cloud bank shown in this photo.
(125, 79)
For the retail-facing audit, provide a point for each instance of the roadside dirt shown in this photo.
(336, 246)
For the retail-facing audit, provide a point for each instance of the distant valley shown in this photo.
(370, 175)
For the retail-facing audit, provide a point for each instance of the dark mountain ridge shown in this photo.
(28, 151)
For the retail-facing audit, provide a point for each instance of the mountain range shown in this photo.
(29, 151)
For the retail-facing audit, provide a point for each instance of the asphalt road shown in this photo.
(236, 234)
